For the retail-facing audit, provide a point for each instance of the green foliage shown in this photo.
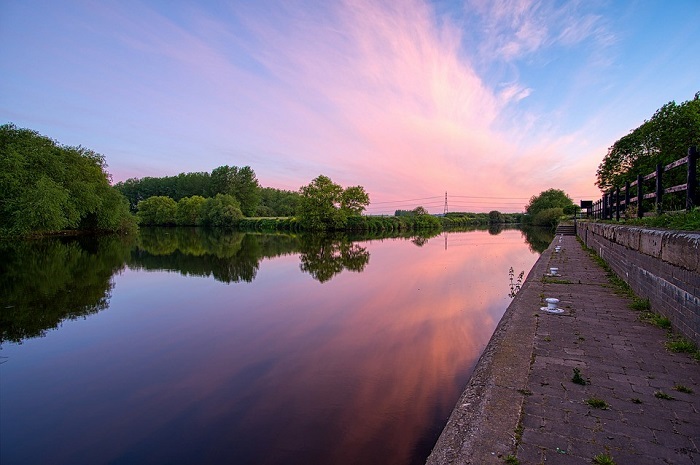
(549, 217)
(549, 199)
(577, 378)
(239, 183)
(655, 319)
(354, 200)
(496, 217)
(189, 211)
(175, 187)
(597, 403)
(222, 211)
(640, 304)
(511, 460)
(683, 221)
(603, 459)
(46, 187)
(324, 205)
(663, 395)
(277, 202)
(681, 345)
(682, 388)
(662, 139)
(157, 211)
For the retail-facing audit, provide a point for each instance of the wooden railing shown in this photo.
(615, 202)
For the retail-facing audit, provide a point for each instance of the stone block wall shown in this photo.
(663, 266)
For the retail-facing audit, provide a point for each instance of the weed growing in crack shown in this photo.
(663, 395)
(577, 378)
(603, 459)
(681, 388)
(597, 403)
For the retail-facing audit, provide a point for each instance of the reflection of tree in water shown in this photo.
(227, 256)
(538, 238)
(46, 281)
(496, 228)
(325, 256)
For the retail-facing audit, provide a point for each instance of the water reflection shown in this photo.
(353, 360)
(324, 256)
(48, 281)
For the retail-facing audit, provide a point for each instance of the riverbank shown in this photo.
(637, 403)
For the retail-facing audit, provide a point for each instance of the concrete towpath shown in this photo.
(522, 400)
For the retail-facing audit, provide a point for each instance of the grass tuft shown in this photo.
(603, 459)
(640, 304)
(597, 403)
(655, 319)
(681, 345)
(577, 378)
(663, 395)
(684, 389)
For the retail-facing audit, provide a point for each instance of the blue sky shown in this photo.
(408, 98)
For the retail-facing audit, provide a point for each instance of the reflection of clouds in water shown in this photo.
(362, 368)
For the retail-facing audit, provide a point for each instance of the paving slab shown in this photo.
(539, 415)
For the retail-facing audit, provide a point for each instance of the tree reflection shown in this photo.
(229, 257)
(325, 256)
(47, 281)
(537, 238)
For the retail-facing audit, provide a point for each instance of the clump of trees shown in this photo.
(220, 211)
(46, 187)
(662, 139)
(548, 207)
(239, 182)
(325, 205)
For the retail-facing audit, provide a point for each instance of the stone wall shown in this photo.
(663, 266)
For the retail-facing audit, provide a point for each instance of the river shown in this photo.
(184, 346)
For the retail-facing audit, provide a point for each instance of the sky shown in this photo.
(490, 101)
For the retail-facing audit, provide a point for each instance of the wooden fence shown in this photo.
(616, 201)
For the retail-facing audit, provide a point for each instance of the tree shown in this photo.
(189, 210)
(326, 205)
(157, 211)
(354, 200)
(222, 211)
(277, 202)
(47, 187)
(662, 139)
(551, 198)
(240, 183)
(496, 217)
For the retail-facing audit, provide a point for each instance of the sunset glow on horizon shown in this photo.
(492, 102)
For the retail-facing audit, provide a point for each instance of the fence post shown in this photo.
(640, 197)
(605, 206)
(627, 197)
(691, 194)
(659, 188)
(617, 203)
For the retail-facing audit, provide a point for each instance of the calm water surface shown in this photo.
(186, 347)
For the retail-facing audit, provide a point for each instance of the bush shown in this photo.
(222, 211)
(549, 217)
(157, 211)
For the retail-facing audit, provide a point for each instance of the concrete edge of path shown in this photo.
(482, 427)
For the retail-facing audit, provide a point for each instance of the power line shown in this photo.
(409, 200)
